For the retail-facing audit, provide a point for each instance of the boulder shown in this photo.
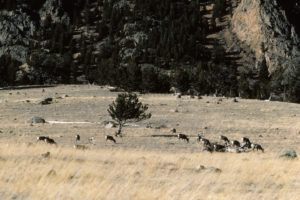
(274, 97)
(289, 154)
(35, 120)
(46, 101)
(110, 125)
(54, 10)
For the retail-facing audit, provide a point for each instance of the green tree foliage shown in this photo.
(243, 86)
(181, 80)
(134, 76)
(292, 85)
(8, 68)
(263, 80)
(154, 82)
(127, 108)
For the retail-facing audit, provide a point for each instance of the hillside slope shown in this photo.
(232, 47)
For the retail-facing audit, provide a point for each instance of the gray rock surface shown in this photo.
(36, 120)
(289, 154)
(265, 29)
(17, 30)
(53, 9)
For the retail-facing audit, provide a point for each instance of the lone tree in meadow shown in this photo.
(127, 108)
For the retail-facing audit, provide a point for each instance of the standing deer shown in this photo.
(183, 137)
(111, 138)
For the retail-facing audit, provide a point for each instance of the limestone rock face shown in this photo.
(17, 29)
(264, 27)
(53, 9)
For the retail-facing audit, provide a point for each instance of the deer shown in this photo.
(111, 138)
(257, 147)
(183, 137)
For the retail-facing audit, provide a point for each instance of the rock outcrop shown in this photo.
(62, 42)
(17, 30)
(263, 26)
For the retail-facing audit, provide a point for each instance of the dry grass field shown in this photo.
(140, 166)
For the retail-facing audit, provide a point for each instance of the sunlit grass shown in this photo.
(140, 166)
(134, 174)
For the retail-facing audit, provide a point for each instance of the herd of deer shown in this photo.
(91, 140)
(226, 146)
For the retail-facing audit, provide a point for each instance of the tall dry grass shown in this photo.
(137, 174)
(140, 166)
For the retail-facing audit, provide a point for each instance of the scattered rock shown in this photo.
(161, 126)
(52, 172)
(64, 96)
(46, 101)
(200, 167)
(234, 100)
(115, 89)
(208, 169)
(174, 110)
(274, 97)
(214, 169)
(110, 125)
(173, 130)
(289, 154)
(46, 155)
(35, 120)
(178, 96)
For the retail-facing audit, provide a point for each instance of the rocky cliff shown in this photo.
(264, 27)
(59, 41)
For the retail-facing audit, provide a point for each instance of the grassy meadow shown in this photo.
(139, 166)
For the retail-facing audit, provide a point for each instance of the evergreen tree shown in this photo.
(181, 80)
(263, 78)
(134, 76)
(127, 108)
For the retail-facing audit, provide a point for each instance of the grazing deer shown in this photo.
(225, 139)
(219, 148)
(183, 137)
(77, 137)
(49, 140)
(205, 142)
(92, 140)
(46, 139)
(257, 147)
(245, 143)
(173, 130)
(41, 138)
(246, 140)
(199, 138)
(207, 145)
(111, 138)
(235, 143)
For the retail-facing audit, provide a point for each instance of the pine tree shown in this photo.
(127, 108)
